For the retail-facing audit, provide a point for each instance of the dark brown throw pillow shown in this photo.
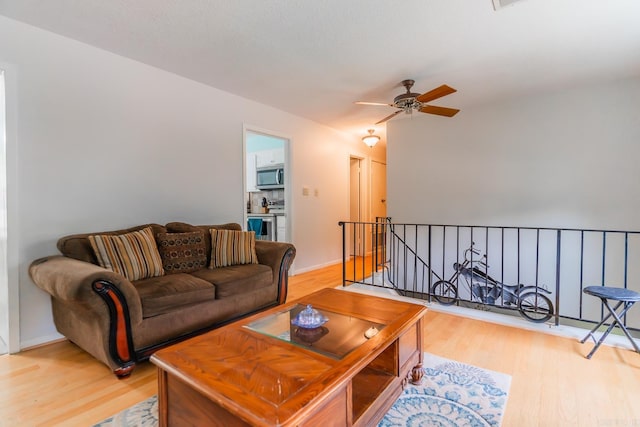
(182, 252)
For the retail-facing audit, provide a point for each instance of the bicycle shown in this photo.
(532, 304)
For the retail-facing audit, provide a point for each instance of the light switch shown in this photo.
(305, 191)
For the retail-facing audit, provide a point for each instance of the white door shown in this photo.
(378, 206)
(378, 190)
(353, 234)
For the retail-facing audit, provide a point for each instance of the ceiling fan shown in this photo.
(410, 101)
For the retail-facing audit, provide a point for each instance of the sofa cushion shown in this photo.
(77, 246)
(182, 252)
(134, 255)
(231, 247)
(237, 279)
(164, 294)
(181, 227)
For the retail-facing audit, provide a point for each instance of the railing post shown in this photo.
(375, 247)
(344, 253)
(558, 255)
(429, 263)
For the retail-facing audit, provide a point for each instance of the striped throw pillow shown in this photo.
(134, 255)
(232, 247)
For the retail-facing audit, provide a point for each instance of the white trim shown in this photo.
(44, 340)
(288, 178)
(316, 267)
(12, 248)
(4, 282)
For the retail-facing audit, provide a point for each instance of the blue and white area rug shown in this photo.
(452, 394)
(143, 414)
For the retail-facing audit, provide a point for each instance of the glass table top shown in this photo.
(336, 338)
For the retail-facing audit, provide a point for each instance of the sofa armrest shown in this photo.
(278, 256)
(110, 299)
(79, 282)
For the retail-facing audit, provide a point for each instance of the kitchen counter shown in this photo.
(261, 215)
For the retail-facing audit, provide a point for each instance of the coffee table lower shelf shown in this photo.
(367, 387)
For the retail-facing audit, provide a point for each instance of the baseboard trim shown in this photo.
(41, 341)
(316, 267)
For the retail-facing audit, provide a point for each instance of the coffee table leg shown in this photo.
(416, 374)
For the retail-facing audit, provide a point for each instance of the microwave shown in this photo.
(270, 177)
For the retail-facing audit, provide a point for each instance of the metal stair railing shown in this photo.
(411, 258)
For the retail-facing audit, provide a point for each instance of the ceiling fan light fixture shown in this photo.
(409, 101)
(371, 139)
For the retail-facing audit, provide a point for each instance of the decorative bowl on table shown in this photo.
(309, 318)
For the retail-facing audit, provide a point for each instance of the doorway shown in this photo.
(267, 184)
(367, 203)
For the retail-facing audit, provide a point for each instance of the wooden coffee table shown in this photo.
(264, 371)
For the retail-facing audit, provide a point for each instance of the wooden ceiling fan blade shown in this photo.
(440, 111)
(373, 103)
(390, 116)
(436, 93)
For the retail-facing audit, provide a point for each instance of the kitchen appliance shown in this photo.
(270, 177)
(268, 227)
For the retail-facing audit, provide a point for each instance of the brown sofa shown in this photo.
(121, 322)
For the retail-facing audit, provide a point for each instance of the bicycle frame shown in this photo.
(483, 288)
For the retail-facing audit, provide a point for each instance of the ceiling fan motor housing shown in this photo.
(407, 101)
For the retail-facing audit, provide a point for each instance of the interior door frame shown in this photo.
(288, 178)
(9, 262)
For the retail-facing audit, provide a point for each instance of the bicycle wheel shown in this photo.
(446, 293)
(535, 307)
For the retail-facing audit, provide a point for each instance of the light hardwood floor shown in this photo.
(552, 383)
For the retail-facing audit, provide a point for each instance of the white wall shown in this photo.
(563, 159)
(105, 142)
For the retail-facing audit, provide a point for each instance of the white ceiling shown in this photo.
(314, 58)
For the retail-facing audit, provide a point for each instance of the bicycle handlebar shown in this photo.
(466, 252)
(477, 252)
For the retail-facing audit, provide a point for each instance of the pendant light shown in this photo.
(371, 139)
